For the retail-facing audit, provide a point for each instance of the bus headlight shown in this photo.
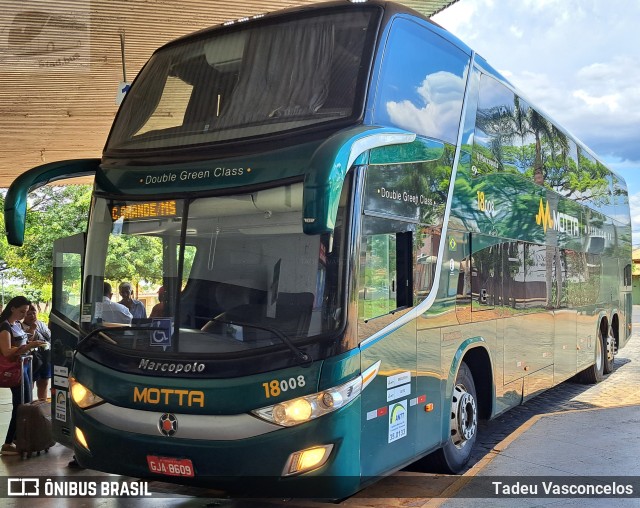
(303, 409)
(82, 396)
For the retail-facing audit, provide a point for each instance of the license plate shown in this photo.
(170, 466)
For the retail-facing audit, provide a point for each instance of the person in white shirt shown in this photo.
(113, 312)
(136, 307)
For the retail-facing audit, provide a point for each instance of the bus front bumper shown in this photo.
(256, 466)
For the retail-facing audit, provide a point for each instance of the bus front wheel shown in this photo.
(463, 423)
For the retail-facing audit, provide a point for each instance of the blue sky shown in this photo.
(575, 59)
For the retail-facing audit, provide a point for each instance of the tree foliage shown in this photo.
(52, 212)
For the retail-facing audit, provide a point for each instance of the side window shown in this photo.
(70, 297)
(403, 208)
(385, 267)
(426, 245)
(538, 278)
(421, 82)
(542, 143)
(627, 276)
(513, 260)
(562, 169)
(620, 200)
(486, 287)
(583, 278)
(497, 141)
(591, 185)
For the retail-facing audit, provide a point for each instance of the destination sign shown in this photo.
(147, 210)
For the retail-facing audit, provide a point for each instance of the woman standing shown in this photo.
(13, 343)
(37, 330)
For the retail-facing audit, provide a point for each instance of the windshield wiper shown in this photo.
(299, 353)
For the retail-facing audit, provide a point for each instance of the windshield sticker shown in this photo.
(161, 335)
(398, 379)
(86, 313)
(61, 405)
(399, 392)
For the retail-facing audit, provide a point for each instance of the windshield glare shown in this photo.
(253, 80)
(245, 278)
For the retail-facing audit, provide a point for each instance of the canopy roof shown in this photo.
(61, 63)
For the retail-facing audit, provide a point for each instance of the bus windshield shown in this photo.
(232, 273)
(242, 82)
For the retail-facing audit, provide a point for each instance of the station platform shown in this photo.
(576, 436)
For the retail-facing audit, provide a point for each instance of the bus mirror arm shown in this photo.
(15, 204)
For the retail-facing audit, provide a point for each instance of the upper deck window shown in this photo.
(254, 80)
(422, 82)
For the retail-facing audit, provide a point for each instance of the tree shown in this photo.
(52, 213)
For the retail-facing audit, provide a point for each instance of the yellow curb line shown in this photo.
(458, 485)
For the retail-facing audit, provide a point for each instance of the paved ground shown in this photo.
(571, 430)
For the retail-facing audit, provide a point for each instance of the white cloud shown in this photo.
(610, 101)
(576, 60)
(440, 114)
(516, 31)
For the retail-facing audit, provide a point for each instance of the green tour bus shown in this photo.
(367, 241)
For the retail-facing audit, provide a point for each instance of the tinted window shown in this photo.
(421, 82)
(592, 184)
(497, 141)
(255, 80)
(414, 191)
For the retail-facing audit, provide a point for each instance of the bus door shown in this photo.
(68, 255)
(385, 293)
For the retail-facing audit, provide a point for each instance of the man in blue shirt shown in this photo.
(136, 307)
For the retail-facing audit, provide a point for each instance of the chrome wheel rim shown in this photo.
(610, 348)
(599, 354)
(464, 416)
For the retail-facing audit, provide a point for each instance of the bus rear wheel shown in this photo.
(609, 354)
(463, 424)
(595, 373)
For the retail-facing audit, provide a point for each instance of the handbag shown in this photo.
(37, 360)
(10, 371)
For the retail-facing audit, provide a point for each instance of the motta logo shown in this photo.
(556, 221)
(543, 218)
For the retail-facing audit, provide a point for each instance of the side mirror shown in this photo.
(15, 204)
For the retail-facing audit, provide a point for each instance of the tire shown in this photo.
(595, 373)
(455, 454)
(609, 354)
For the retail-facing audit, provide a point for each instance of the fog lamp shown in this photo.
(306, 460)
(81, 439)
